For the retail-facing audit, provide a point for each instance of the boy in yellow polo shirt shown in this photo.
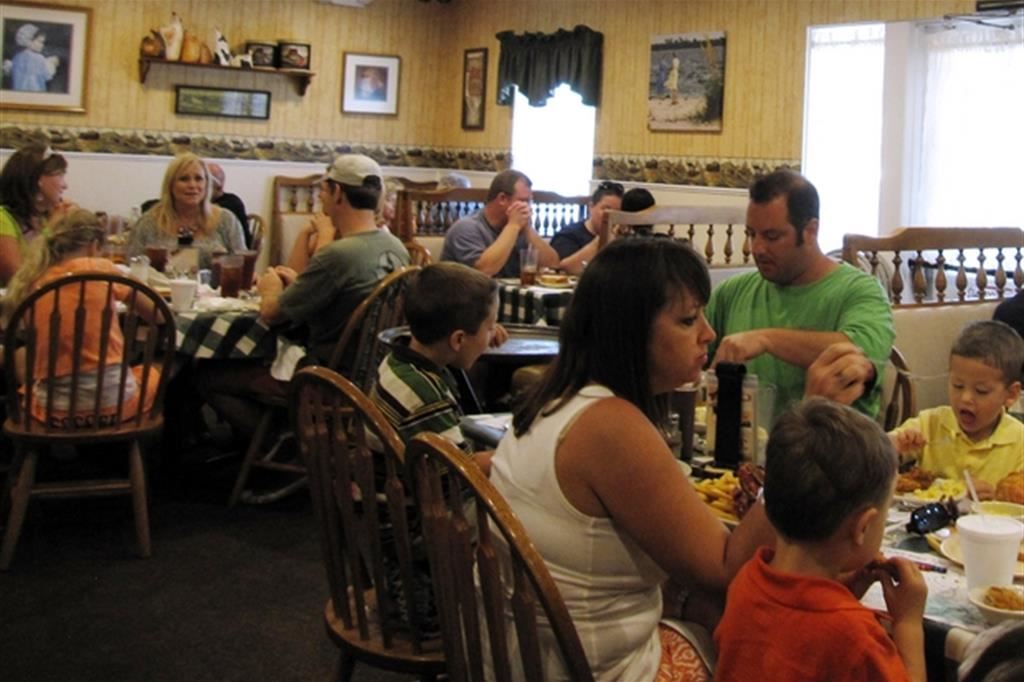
(973, 432)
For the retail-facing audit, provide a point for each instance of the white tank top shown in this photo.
(610, 586)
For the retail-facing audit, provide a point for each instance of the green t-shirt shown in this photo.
(846, 300)
(9, 226)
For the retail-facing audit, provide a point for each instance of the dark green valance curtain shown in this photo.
(537, 63)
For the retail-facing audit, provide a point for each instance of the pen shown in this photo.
(929, 568)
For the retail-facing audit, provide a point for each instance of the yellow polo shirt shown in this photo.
(948, 451)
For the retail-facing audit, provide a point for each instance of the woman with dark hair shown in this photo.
(590, 475)
(31, 194)
(576, 244)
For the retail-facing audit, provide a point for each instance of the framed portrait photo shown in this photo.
(474, 88)
(292, 55)
(263, 54)
(200, 101)
(45, 55)
(370, 84)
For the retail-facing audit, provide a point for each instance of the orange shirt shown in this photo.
(95, 302)
(780, 627)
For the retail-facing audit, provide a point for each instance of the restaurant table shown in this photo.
(235, 334)
(531, 305)
(950, 620)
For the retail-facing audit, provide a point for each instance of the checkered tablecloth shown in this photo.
(224, 335)
(532, 305)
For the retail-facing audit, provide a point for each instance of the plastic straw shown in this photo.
(973, 491)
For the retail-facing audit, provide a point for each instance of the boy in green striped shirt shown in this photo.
(452, 312)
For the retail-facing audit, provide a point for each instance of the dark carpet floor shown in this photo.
(227, 595)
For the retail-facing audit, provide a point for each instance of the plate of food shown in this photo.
(719, 495)
(556, 281)
(918, 486)
(999, 602)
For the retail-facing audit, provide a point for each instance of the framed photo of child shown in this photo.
(44, 51)
(370, 84)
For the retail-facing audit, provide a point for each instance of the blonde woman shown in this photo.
(72, 246)
(185, 215)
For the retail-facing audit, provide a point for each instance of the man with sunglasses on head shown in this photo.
(576, 244)
(490, 239)
(779, 320)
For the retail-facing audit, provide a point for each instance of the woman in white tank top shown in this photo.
(587, 470)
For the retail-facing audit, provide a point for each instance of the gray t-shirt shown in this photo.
(336, 281)
(228, 236)
(469, 237)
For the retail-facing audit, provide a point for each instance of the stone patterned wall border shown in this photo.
(671, 170)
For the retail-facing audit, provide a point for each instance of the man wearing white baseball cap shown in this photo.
(320, 299)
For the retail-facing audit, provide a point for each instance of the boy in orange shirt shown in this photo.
(793, 613)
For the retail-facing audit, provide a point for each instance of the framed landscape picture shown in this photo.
(686, 82)
(474, 88)
(45, 55)
(370, 84)
(198, 101)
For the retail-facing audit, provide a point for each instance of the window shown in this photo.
(843, 127)
(915, 124)
(554, 144)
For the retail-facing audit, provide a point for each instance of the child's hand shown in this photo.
(906, 594)
(985, 490)
(908, 440)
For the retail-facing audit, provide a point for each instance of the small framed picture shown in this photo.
(263, 54)
(293, 55)
(234, 103)
(370, 84)
(474, 88)
(45, 54)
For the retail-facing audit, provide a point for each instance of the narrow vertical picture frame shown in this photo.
(45, 53)
(474, 88)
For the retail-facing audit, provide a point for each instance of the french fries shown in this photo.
(718, 493)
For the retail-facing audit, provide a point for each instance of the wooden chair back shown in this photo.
(430, 213)
(899, 401)
(719, 232)
(358, 349)
(52, 323)
(476, 567)
(295, 203)
(256, 230)
(363, 510)
(944, 265)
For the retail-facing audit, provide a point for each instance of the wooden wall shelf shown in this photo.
(302, 77)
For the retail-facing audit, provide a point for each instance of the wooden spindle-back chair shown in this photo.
(467, 562)
(717, 232)
(77, 318)
(367, 527)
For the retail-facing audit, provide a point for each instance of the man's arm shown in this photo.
(270, 287)
(494, 257)
(575, 262)
(547, 257)
(798, 347)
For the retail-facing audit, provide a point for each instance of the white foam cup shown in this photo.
(989, 545)
(183, 291)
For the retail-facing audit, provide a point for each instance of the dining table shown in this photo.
(218, 328)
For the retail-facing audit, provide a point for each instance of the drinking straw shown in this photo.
(976, 506)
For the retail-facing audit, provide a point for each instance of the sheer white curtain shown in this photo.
(843, 127)
(969, 165)
(554, 144)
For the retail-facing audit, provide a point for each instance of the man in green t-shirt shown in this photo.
(780, 319)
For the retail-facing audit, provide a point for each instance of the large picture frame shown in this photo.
(234, 103)
(370, 84)
(686, 82)
(474, 88)
(44, 50)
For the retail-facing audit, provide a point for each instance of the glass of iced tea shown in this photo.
(231, 268)
(248, 267)
(158, 256)
(528, 266)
